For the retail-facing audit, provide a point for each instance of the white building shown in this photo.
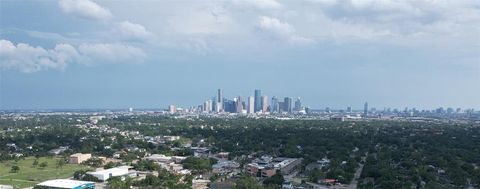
(122, 171)
(251, 105)
(67, 184)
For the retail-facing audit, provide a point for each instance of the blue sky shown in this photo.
(149, 54)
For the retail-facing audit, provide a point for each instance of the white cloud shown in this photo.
(113, 53)
(26, 58)
(133, 31)
(260, 4)
(85, 9)
(281, 30)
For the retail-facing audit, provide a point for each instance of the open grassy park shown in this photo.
(29, 175)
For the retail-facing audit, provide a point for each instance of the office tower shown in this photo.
(239, 105)
(274, 105)
(365, 109)
(327, 109)
(251, 105)
(172, 109)
(288, 104)
(214, 104)
(220, 100)
(229, 106)
(264, 104)
(281, 107)
(258, 103)
(298, 104)
(208, 106)
(130, 109)
(349, 109)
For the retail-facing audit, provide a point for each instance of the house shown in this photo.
(79, 158)
(159, 158)
(200, 184)
(59, 150)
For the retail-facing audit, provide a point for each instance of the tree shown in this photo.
(43, 164)
(93, 162)
(117, 183)
(15, 169)
(276, 179)
(247, 182)
(60, 163)
(111, 164)
(146, 165)
(198, 164)
(35, 162)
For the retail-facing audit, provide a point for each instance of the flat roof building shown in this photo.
(78, 158)
(67, 184)
(122, 171)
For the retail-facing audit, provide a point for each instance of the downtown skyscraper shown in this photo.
(258, 100)
(274, 105)
(287, 102)
(251, 105)
(365, 109)
(220, 106)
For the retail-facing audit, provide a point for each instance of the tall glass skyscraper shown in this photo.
(288, 104)
(219, 100)
(365, 109)
(274, 107)
(258, 100)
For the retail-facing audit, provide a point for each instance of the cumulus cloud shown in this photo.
(133, 31)
(281, 30)
(260, 4)
(27, 58)
(114, 53)
(85, 9)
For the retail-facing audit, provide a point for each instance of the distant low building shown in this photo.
(258, 170)
(122, 171)
(267, 166)
(79, 158)
(67, 184)
(6, 186)
(59, 150)
(200, 184)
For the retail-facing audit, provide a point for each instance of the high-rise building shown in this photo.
(130, 109)
(349, 109)
(220, 100)
(264, 104)
(229, 106)
(274, 107)
(251, 105)
(281, 107)
(298, 104)
(288, 104)
(365, 109)
(258, 104)
(208, 106)
(239, 105)
(172, 109)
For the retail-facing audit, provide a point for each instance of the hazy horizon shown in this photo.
(72, 54)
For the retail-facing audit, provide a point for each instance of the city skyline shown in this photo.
(147, 54)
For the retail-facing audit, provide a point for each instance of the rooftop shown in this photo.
(63, 183)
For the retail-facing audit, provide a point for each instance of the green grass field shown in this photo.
(28, 175)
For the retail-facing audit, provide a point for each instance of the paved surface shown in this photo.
(353, 184)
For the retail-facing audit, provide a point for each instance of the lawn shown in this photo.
(28, 175)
